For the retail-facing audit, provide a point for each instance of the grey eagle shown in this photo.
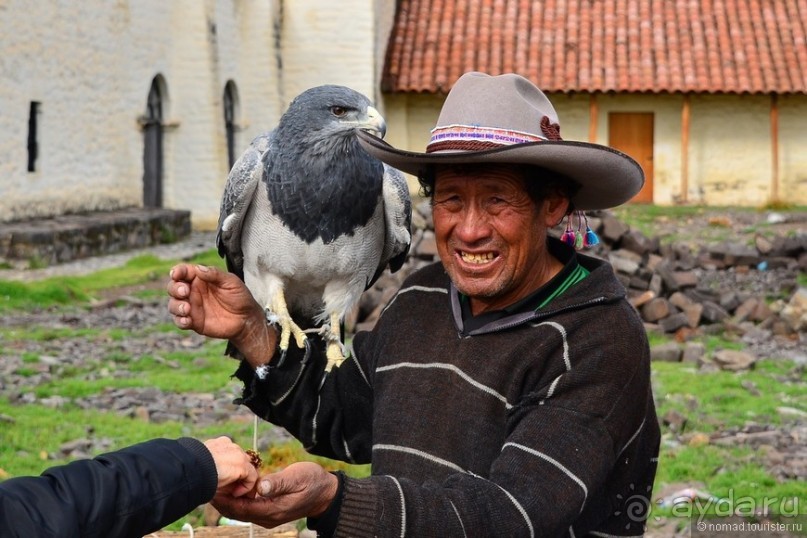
(309, 220)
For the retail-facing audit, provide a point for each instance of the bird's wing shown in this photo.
(398, 220)
(236, 201)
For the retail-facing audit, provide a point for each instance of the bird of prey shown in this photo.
(309, 220)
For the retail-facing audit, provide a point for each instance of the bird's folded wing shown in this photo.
(235, 202)
(398, 220)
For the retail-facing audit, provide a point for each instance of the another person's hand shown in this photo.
(300, 490)
(236, 474)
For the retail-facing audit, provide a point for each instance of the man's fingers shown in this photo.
(265, 488)
(208, 273)
(177, 307)
(282, 483)
(216, 277)
(180, 272)
(239, 490)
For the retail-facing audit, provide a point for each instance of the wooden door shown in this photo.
(632, 133)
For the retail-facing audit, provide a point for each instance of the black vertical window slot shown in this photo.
(33, 145)
(229, 122)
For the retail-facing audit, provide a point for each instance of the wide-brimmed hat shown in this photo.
(507, 119)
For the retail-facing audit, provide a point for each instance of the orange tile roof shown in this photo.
(714, 46)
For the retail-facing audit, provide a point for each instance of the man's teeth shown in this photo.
(477, 258)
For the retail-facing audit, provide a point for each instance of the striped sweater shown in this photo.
(538, 424)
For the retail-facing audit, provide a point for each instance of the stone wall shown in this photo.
(71, 237)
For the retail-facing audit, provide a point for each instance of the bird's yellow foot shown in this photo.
(287, 329)
(335, 354)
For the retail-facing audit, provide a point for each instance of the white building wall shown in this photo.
(730, 149)
(327, 42)
(91, 63)
(729, 155)
(793, 149)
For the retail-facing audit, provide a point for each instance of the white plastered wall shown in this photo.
(90, 65)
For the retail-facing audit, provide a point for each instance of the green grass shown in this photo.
(145, 372)
(30, 443)
(47, 334)
(644, 217)
(720, 399)
(715, 401)
(80, 290)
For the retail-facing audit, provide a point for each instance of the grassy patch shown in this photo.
(57, 291)
(209, 372)
(715, 400)
(26, 295)
(47, 334)
(645, 218)
(726, 473)
(31, 443)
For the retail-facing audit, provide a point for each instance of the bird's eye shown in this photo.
(338, 111)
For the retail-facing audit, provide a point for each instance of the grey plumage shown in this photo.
(309, 220)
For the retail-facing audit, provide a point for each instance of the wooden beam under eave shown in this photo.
(593, 114)
(774, 148)
(685, 117)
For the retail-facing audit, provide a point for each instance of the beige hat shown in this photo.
(507, 119)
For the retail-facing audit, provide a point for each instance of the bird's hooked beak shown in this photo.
(375, 123)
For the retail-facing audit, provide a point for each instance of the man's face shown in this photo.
(490, 235)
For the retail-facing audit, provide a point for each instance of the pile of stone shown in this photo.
(734, 288)
(676, 288)
(746, 292)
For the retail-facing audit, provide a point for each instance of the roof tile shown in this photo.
(711, 46)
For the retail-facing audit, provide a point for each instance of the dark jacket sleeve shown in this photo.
(130, 492)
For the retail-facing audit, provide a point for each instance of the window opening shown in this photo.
(33, 144)
(229, 121)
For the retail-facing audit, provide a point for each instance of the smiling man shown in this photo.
(504, 391)
(491, 234)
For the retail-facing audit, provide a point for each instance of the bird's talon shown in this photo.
(282, 358)
(307, 354)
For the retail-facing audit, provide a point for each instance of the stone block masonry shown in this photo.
(71, 237)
